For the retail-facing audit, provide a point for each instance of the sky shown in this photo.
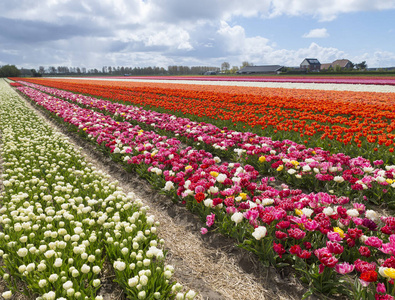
(142, 33)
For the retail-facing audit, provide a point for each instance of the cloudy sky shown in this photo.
(92, 34)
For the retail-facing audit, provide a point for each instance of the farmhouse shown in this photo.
(326, 66)
(269, 69)
(341, 63)
(310, 64)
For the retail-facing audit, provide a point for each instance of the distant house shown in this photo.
(342, 63)
(390, 69)
(270, 69)
(326, 66)
(311, 64)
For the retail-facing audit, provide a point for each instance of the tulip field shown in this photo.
(350, 155)
(217, 150)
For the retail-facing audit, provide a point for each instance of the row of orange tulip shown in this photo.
(350, 120)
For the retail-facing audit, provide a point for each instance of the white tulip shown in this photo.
(190, 295)
(237, 217)
(22, 252)
(58, 262)
(338, 179)
(53, 277)
(208, 202)
(307, 211)
(259, 232)
(7, 295)
(42, 283)
(352, 212)
(372, 215)
(119, 265)
(328, 211)
(221, 178)
(143, 280)
(169, 186)
(96, 282)
(180, 296)
(132, 282)
(49, 296)
(85, 268)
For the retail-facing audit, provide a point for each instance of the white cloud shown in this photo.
(162, 32)
(170, 36)
(293, 58)
(236, 47)
(144, 12)
(378, 59)
(231, 39)
(323, 54)
(317, 33)
(326, 10)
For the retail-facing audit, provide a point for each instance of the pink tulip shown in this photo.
(344, 268)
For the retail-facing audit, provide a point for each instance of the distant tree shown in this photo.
(225, 66)
(41, 70)
(9, 71)
(245, 64)
(35, 73)
(234, 69)
(361, 66)
(338, 68)
(52, 70)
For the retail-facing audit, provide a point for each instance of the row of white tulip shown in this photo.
(62, 218)
(267, 84)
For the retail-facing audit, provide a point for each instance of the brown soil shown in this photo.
(210, 264)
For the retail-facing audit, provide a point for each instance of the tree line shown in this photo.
(12, 71)
(226, 68)
(117, 71)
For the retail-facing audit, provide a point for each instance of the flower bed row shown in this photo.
(310, 79)
(62, 219)
(314, 169)
(318, 234)
(356, 123)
